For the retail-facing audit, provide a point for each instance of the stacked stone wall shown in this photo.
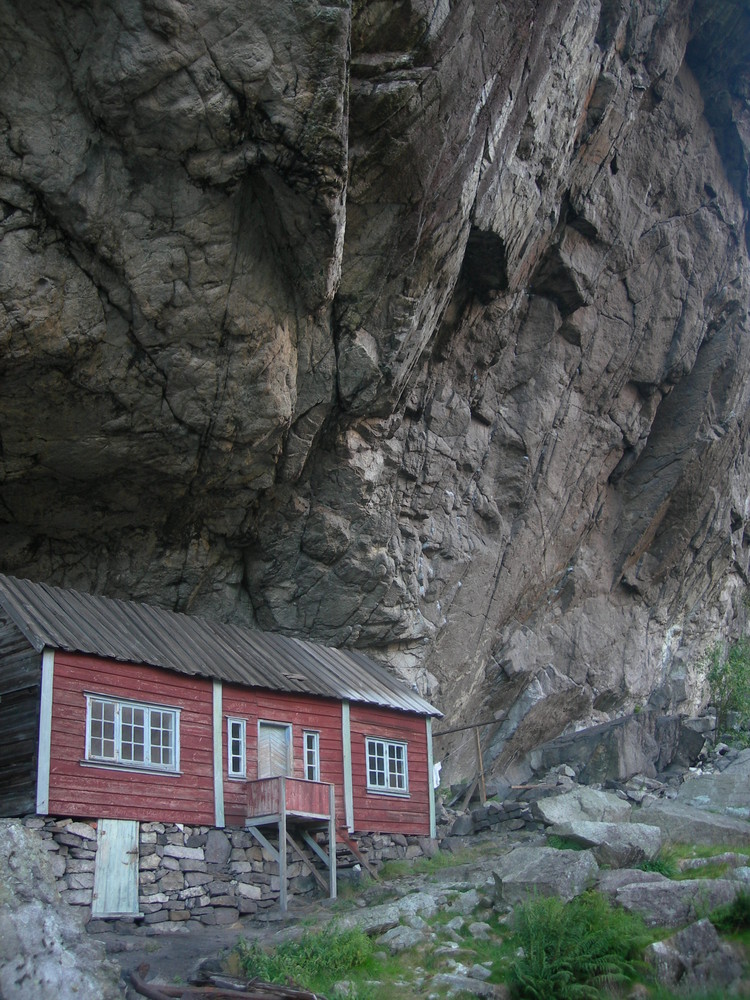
(197, 873)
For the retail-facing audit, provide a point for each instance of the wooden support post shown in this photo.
(469, 793)
(263, 841)
(480, 766)
(332, 888)
(303, 857)
(359, 856)
(282, 845)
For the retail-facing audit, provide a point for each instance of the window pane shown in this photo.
(236, 750)
(312, 757)
(162, 738)
(396, 766)
(102, 735)
(376, 763)
(132, 734)
(386, 765)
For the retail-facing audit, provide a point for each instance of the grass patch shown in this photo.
(426, 866)
(317, 961)
(685, 851)
(665, 863)
(573, 951)
(734, 917)
(564, 843)
(679, 853)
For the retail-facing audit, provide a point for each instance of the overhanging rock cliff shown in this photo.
(414, 326)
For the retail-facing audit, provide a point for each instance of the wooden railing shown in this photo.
(295, 797)
(274, 801)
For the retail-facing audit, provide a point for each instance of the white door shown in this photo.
(274, 749)
(116, 869)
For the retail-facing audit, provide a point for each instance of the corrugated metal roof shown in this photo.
(142, 633)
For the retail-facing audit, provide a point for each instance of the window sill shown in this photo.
(114, 766)
(237, 777)
(391, 793)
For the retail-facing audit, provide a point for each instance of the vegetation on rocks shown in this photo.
(545, 949)
(735, 916)
(313, 962)
(728, 676)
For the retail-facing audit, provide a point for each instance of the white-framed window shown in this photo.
(387, 769)
(132, 734)
(236, 748)
(311, 741)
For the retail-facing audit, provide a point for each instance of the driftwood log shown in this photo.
(222, 988)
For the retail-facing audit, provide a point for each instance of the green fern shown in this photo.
(572, 951)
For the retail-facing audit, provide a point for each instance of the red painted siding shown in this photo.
(321, 715)
(85, 790)
(79, 789)
(378, 812)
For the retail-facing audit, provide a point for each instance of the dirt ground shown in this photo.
(174, 956)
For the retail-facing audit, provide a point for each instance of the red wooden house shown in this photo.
(126, 712)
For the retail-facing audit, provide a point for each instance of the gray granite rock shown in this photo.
(615, 845)
(44, 949)
(393, 326)
(582, 803)
(694, 960)
(526, 871)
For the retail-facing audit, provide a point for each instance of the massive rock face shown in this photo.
(413, 326)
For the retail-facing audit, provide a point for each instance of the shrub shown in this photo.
(571, 951)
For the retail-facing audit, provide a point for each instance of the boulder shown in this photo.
(724, 793)
(610, 881)
(694, 959)
(582, 803)
(455, 984)
(684, 824)
(400, 938)
(665, 903)
(44, 949)
(616, 845)
(381, 918)
(641, 743)
(544, 871)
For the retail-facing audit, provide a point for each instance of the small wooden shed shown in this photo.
(121, 711)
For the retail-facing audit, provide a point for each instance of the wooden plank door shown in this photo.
(274, 750)
(116, 869)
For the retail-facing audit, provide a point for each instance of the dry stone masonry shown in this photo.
(204, 874)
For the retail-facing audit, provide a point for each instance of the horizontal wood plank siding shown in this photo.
(20, 676)
(377, 812)
(302, 712)
(87, 790)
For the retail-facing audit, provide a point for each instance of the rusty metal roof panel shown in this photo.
(142, 633)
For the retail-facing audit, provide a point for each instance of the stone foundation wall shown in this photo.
(197, 873)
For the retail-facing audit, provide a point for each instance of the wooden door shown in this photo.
(274, 750)
(116, 869)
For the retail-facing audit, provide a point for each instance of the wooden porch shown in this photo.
(304, 806)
